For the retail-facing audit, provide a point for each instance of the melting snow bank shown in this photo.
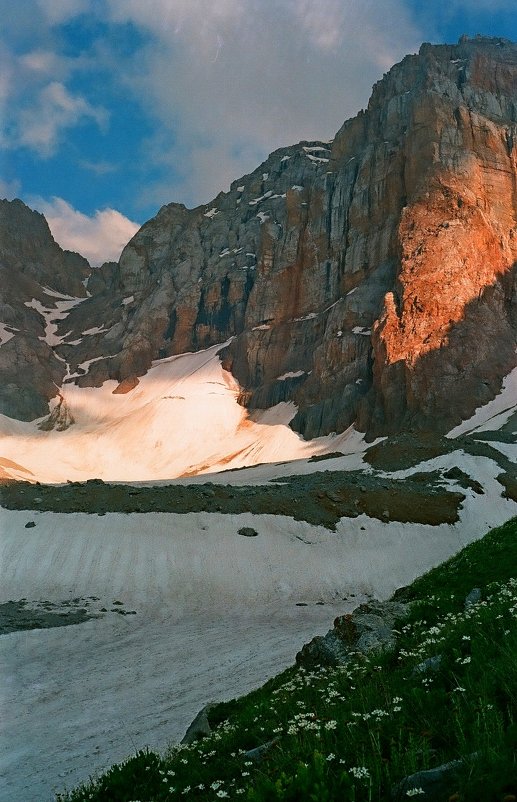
(182, 418)
(493, 415)
(215, 615)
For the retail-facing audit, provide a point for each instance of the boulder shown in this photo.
(200, 726)
(368, 629)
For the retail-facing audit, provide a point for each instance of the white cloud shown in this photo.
(56, 109)
(9, 189)
(99, 238)
(37, 106)
(224, 82)
(98, 168)
(43, 62)
(324, 23)
(59, 11)
(238, 78)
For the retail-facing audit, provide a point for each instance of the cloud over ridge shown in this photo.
(100, 238)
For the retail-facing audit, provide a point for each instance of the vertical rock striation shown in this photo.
(370, 279)
(34, 273)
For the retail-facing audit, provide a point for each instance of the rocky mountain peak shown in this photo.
(370, 279)
(38, 280)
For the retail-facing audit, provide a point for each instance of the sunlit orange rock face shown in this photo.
(446, 332)
(371, 279)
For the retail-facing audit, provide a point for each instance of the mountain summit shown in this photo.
(369, 280)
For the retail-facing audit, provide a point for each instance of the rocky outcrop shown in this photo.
(432, 785)
(60, 417)
(366, 279)
(199, 727)
(370, 279)
(35, 276)
(368, 629)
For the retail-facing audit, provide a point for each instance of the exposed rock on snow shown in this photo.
(185, 574)
(199, 728)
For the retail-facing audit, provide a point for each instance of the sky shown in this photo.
(110, 109)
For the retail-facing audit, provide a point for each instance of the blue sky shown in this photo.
(111, 108)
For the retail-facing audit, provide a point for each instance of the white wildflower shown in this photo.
(360, 772)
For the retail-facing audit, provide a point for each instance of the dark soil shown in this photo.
(464, 480)
(406, 450)
(19, 615)
(402, 451)
(330, 455)
(319, 498)
(509, 482)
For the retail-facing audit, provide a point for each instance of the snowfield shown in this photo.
(188, 610)
(216, 615)
(181, 419)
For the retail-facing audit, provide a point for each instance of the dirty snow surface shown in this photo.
(188, 611)
(182, 609)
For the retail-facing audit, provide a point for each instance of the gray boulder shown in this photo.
(368, 629)
(200, 726)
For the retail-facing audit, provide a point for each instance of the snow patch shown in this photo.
(317, 159)
(84, 367)
(128, 300)
(261, 198)
(53, 316)
(493, 415)
(316, 149)
(94, 330)
(228, 252)
(310, 316)
(361, 330)
(61, 295)
(292, 374)
(143, 435)
(211, 213)
(6, 333)
(185, 574)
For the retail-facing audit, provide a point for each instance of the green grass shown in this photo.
(353, 733)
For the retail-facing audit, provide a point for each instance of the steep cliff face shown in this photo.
(38, 282)
(369, 279)
(446, 333)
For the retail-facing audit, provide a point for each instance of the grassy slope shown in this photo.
(353, 733)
